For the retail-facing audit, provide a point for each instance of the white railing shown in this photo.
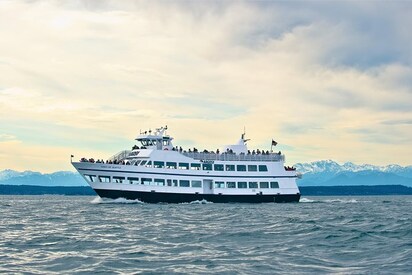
(120, 156)
(234, 157)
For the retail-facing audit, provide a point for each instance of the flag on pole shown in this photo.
(274, 143)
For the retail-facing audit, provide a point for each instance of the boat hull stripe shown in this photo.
(156, 197)
(183, 175)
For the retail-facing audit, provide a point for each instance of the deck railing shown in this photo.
(120, 156)
(234, 157)
(211, 156)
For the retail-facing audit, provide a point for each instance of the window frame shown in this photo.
(205, 165)
(228, 167)
(231, 184)
(198, 183)
(118, 179)
(186, 183)
(133, 180)
(158, 164)
(183, 166)
(105, 177)
(275, 184)
(242, 185)
(219, 184)
(255, 169)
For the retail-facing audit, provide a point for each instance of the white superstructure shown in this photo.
(156, 171)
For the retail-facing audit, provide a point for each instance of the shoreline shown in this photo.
(351, 190)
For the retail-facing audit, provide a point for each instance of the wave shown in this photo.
(306, 200)
(99, 200)
(200, 202)
(342, 200)
(197, 202)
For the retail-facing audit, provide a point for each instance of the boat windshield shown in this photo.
(148, 142)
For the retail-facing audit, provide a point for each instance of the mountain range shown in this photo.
(317, 173)
(61, 178)
(331, 173)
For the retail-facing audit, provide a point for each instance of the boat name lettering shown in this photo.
(110, 167)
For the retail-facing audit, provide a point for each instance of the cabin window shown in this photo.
(195, 166)
(219, 184)
(207, 166)
(196, 183)
(252, 168)
(241, 167)
(143, 162)
(104, 178)
(242, 184)
(137, 162)
(231, 184)
(160, 182)
(91, 178)
(165, 143)
(158, 164)
(218, 167)
(184, 183)
(171, 165)
(230, 167)
(264, 184)
(274, 184)
(118, 179)
(253, 184)
(169, 182)
(183, 166)
(149, 164)
(146, 181)
(133, 180)
(175, 183)
(263, 168)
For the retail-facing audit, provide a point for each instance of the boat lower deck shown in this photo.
(156, 197)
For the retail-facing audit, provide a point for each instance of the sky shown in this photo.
(325, 79)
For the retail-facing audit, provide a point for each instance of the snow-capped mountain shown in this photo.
(329, 172)
(61, 178)
(317, 173)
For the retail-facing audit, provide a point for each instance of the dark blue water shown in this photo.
(350, 235)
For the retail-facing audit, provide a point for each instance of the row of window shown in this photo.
(184, 183)
(198, 166)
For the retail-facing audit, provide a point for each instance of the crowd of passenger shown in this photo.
(228, 151)
(288, 168)
(120, 162)
(194, 150)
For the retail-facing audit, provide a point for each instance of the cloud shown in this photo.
(7, 137)
(313, 74)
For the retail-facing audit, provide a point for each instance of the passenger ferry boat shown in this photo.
(159, 172)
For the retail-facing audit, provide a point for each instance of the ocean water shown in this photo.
(63, 234)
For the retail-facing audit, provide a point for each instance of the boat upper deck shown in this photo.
(234, 157)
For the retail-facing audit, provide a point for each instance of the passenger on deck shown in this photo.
(217, 151)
